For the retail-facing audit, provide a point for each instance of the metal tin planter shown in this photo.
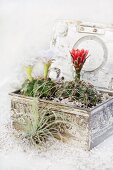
(90, 126)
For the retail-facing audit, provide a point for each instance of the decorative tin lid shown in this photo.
(97, 38)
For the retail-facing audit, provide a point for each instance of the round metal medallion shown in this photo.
(97, 52)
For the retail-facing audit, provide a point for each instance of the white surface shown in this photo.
(25, 27)
(17, 155)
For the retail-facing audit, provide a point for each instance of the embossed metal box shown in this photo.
(90, 126)
(98, 69)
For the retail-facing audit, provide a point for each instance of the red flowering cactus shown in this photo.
(78, 58)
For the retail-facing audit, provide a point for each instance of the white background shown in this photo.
(25, 28)
(26, 25)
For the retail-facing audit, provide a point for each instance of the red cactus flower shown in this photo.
(78, 58)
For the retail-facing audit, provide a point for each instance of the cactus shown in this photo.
(79, 91)
(27, 88)
(44, 88)
(39, 88)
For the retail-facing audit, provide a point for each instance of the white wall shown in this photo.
(26, 25)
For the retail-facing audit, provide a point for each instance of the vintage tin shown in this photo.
(90, 126)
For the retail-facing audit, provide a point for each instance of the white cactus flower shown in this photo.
(48, 55)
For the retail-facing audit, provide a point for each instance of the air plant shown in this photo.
(43, 123)
(78, 59)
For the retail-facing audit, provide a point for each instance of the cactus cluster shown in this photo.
(77, 91)
(39, 88)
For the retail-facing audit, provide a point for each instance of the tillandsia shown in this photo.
(44, 123)
(78, 58)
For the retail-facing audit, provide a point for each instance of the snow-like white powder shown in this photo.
(19, 155)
